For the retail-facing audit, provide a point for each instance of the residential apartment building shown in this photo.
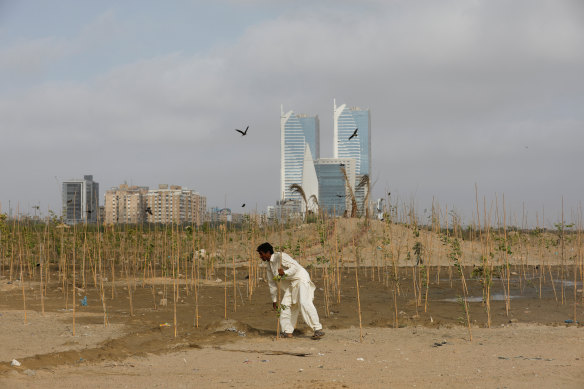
(167, 204)
(175, 204)
(80, 200)
(126, 204)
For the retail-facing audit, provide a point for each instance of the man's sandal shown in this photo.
(317, 334)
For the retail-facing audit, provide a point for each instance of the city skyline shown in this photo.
(483, 95)
(322, 180)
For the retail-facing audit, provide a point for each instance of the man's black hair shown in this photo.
(265, 248)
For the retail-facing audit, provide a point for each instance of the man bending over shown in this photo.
(297, 287)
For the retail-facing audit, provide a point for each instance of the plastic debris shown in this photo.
(165, 325)
(84, 301)
(360, 359)
(15, 363)
(233, 329)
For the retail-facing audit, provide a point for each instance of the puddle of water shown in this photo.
(478, 299)
(516, 280)
(568, 283)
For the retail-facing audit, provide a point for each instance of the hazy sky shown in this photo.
(461, 93)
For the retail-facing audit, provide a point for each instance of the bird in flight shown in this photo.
(243, 133)
(354, 134)
(148, 210)
(340, 195)
(342, 165)
(242, 205)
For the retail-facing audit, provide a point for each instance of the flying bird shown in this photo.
(354, 134)
(148, 210)
(242, 205)
(243, 133)
(342, 165)
(340, 195)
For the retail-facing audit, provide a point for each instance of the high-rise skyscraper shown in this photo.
(345, 121)
(296, 131)
(80, 200)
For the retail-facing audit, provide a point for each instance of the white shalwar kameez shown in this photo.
(298, 292)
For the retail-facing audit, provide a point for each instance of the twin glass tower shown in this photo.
(327, 182)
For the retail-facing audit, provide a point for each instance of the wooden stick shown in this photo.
(359, 305)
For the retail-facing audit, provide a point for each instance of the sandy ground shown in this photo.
(514, 356)
(49, 333)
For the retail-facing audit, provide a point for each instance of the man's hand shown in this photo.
(275, 305)
(281, 271)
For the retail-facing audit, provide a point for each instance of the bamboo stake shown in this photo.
(562, 251)
(20, 259)
(279, 312)
(225, 265)
(73, 295)
(507, 267)
(359, 304)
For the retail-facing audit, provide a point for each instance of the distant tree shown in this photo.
(351, 193)
(365, 183)
(297, 188)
